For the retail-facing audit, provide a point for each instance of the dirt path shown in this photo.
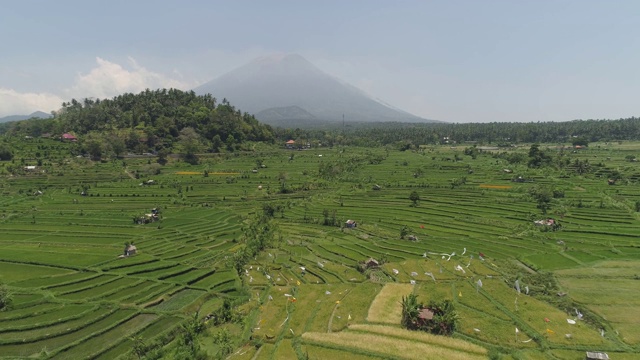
(335, 307)
(126, 171)
(331, 318)
(255, 356)
(571, 257)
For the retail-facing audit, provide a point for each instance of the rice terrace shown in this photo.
(260, 251)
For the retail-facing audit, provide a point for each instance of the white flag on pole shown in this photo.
(431, 275)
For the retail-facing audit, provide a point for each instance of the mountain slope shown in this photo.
(37, 114)
(292, 81)
(284, 113)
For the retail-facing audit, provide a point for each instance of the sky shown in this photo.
(449, 60)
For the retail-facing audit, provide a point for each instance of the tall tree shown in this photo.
(190, 142)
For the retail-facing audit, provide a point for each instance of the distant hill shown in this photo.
(37, 114)
(282, 87)
(151, 121)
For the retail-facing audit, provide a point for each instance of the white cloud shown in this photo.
(106, 80)
(15, 103)
(109, 79)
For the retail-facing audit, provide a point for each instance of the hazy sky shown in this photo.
(457, 61)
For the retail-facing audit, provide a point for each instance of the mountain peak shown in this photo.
(280, 58)
(290, 81)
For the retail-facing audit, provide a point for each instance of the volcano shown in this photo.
(288, 88)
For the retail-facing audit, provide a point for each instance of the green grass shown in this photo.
(12, 272)
(56, 342)
(62, 314)
(53, 281)
(103, 341)
(179, 300)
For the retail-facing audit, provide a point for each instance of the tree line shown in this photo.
(156, 119)
(407, 135)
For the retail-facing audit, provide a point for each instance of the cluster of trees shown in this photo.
(149, 121)
(539, 158)
(443, 322)
(330, 218)
(257, 235)
(5, 152)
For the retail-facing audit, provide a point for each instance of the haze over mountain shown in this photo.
(37, 114)
(288, 87)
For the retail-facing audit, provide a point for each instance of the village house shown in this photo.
(545, 222)
(592, 355)
(350, 224)
(290, 144)
(68, 137)
(371, 263)
(130, 250)
(147, 218)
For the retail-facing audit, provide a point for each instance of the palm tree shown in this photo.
(410, 311)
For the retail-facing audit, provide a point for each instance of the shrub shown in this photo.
(5, 297)
(5, 152)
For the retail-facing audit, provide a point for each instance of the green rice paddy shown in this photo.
(76, 296)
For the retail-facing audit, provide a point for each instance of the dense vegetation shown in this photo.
(442, 322)
(151, 121)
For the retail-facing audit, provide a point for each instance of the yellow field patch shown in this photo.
(421, 336)
(321, 352)
(489, 186)
(389, 346)
(386, 307)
